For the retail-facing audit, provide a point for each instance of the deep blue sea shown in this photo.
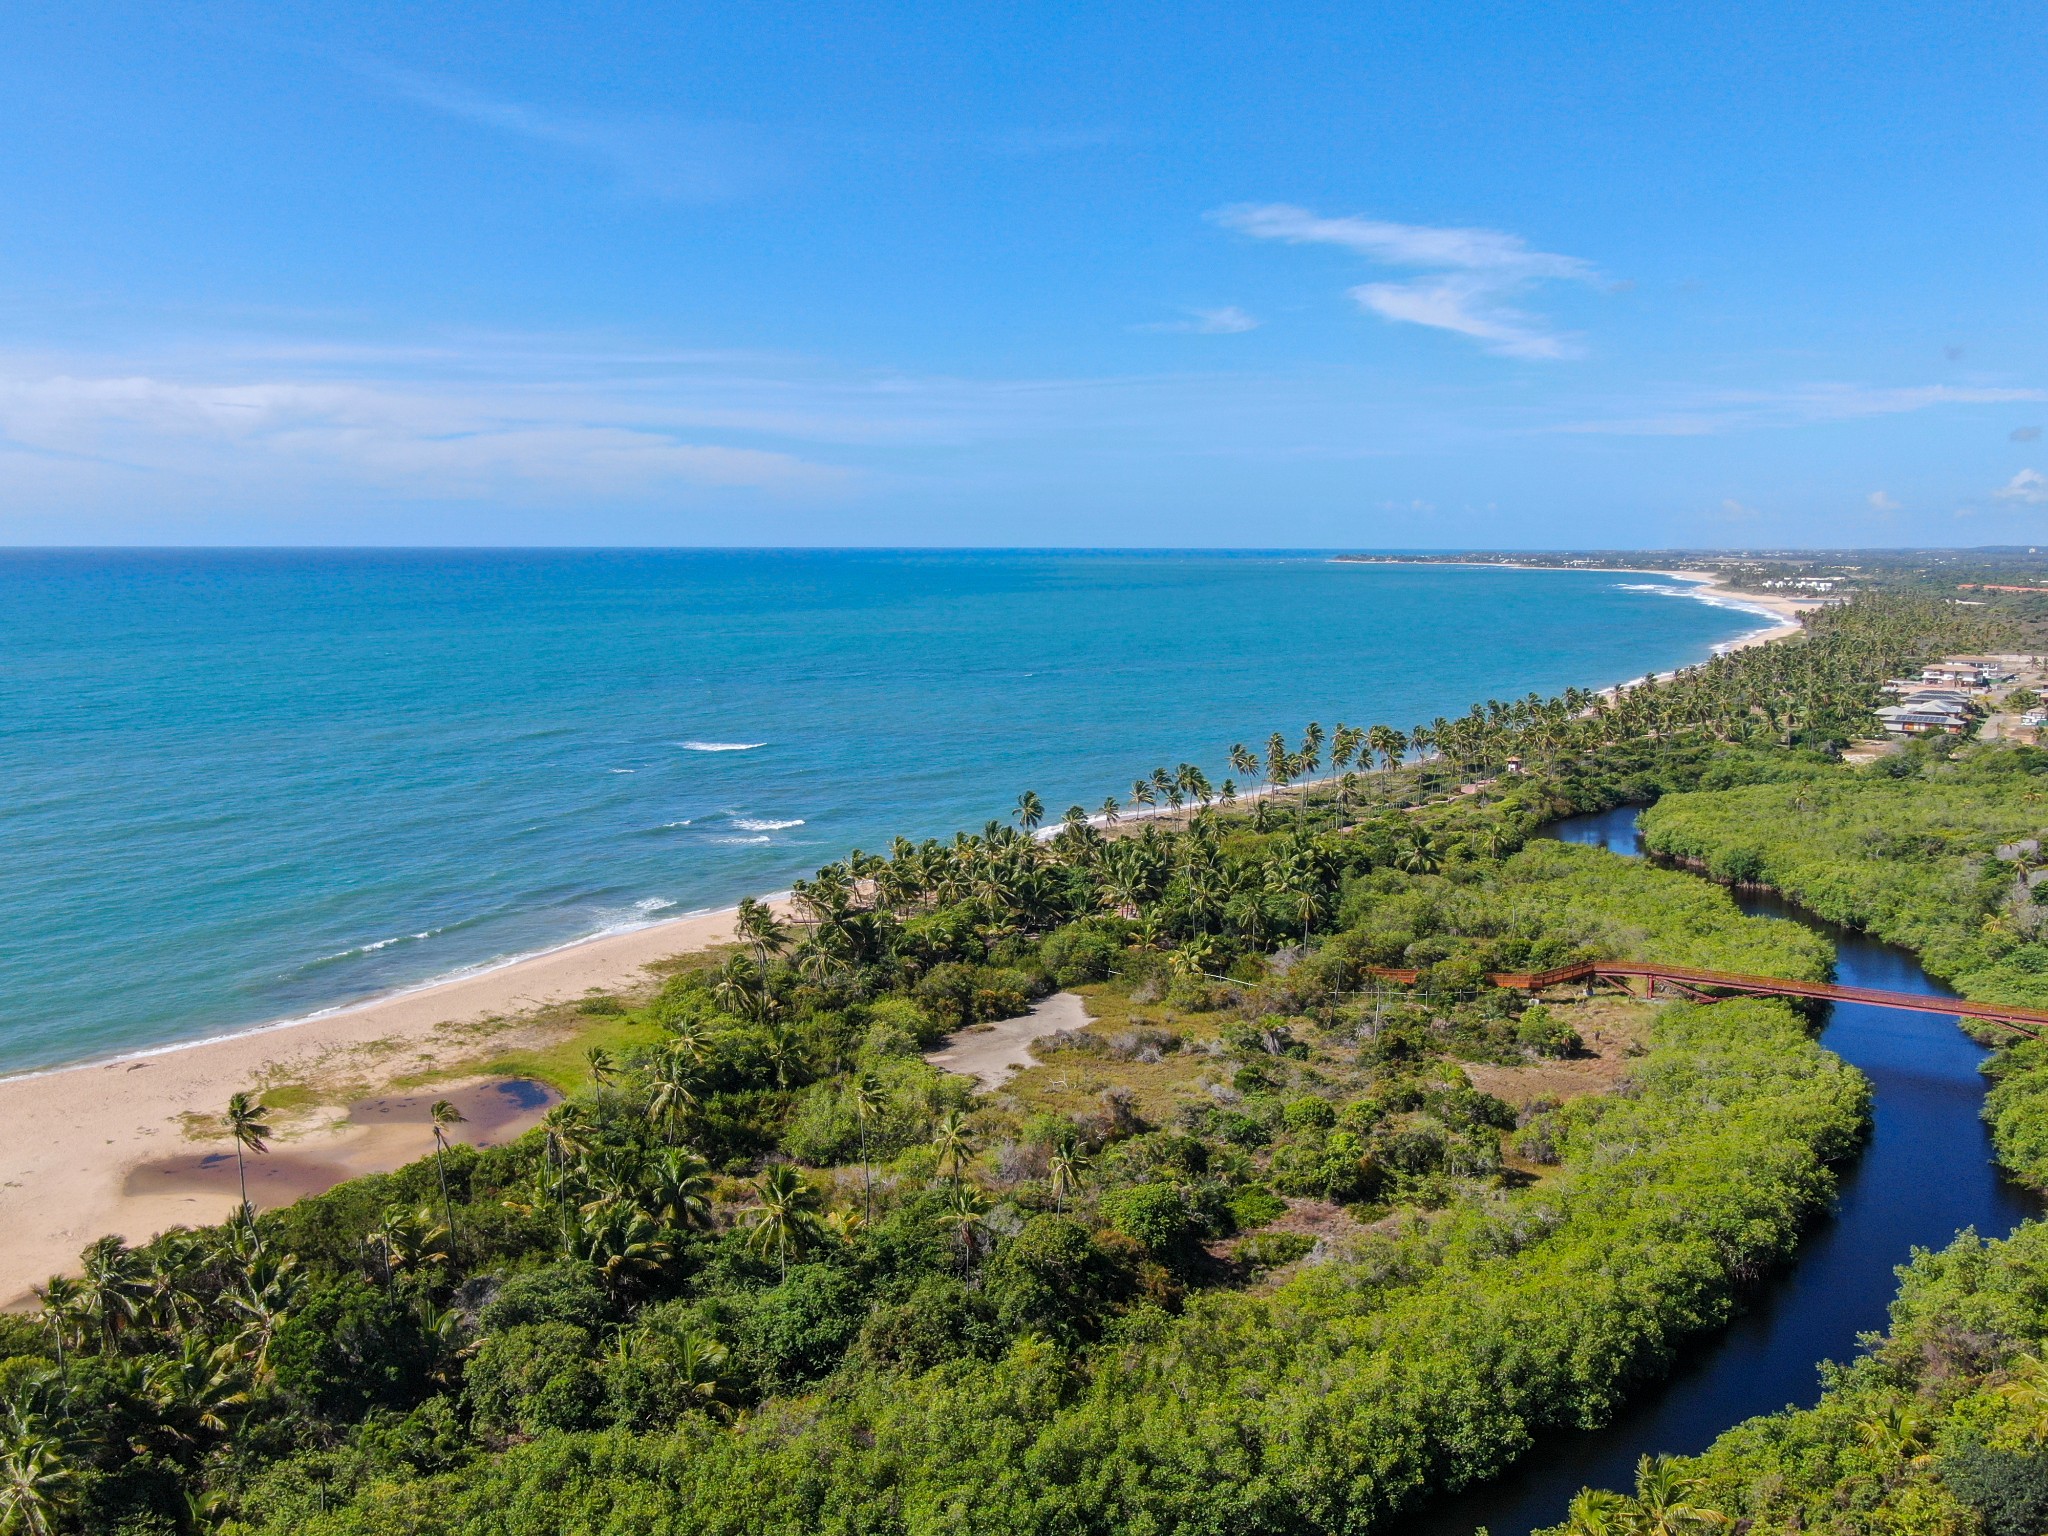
(241, 786)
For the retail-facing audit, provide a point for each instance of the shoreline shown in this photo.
(1784, 612)
(463, 974)
(81, 1131)
(78, 1135)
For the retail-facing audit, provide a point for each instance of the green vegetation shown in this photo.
(1905, 849)
(1250, 1253)
(675, 1289)
(1938, 849)
(1940, 1430)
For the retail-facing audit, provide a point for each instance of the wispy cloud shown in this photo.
(1881, 501)
(1227, 321)
(409, 439)
(2025, 434)
(653, 157)
(1707, 414)
(2029, 487)
(1470, 274)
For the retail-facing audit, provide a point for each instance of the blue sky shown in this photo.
(1338, 275)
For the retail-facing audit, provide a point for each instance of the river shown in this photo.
(1925, 1175)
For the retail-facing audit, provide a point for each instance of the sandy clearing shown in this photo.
(989, 1053)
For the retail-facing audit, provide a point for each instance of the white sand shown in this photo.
(73, 1137)
(989, 1053)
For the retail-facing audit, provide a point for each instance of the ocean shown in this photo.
(240, 786)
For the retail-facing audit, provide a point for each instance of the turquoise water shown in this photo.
(243, 786)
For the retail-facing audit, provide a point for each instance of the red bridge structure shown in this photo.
(1643, 978)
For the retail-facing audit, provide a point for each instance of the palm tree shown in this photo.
(965, 1215)
(1664, 1501)
(108, 1286)
(410, 1238)
(1243, 760)
(1417, 856)
(782, 1215)
(622, 1242)
(603, 1072)
(1600, 1512)
(2026, 1389)
(1343, 742)
(252, 1133)
(1064, 1170)
(757, 924)
(1141, 792)
(867, 1098)
(955, 1144)
(784, 1052)
(671, 1096)
(1295, 884)
(689, 1042)
(36, 1480)
(64, 1312)
(446, 1117)
(1030, 811)
(1112, 811)
(678, 1188)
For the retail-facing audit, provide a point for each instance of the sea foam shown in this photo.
(720, 746)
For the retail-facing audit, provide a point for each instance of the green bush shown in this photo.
(350, 1347)
(2009, 1490)
(1253, 1206)
(939, 1319)
(568, 1292)
(1271, 1250)
(533, 1378)
(1157, 1217)
(1543, 1032)
(1054, 1279)
(1083, 952)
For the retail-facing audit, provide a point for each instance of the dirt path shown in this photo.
(989, 1053)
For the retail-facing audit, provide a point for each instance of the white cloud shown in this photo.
(2029, 487)
(1881, 502)
(647, 157)
(1708, 414)
(1227, 321)
(1735, 512)
(415, 440)
(1471, 273)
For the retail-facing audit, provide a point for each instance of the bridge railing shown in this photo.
(2032, 1022)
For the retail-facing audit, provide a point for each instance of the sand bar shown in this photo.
(80, 1142)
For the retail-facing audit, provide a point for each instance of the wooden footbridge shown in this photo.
(1642, 978)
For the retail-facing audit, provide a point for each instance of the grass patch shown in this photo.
(563, 1064)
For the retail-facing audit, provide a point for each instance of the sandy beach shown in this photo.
(124, 1145)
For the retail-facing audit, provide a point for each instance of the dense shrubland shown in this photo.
(1940, 1430)
(772, 1272)
(1937, 849)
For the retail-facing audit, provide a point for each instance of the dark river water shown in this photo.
(1925, 1175)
